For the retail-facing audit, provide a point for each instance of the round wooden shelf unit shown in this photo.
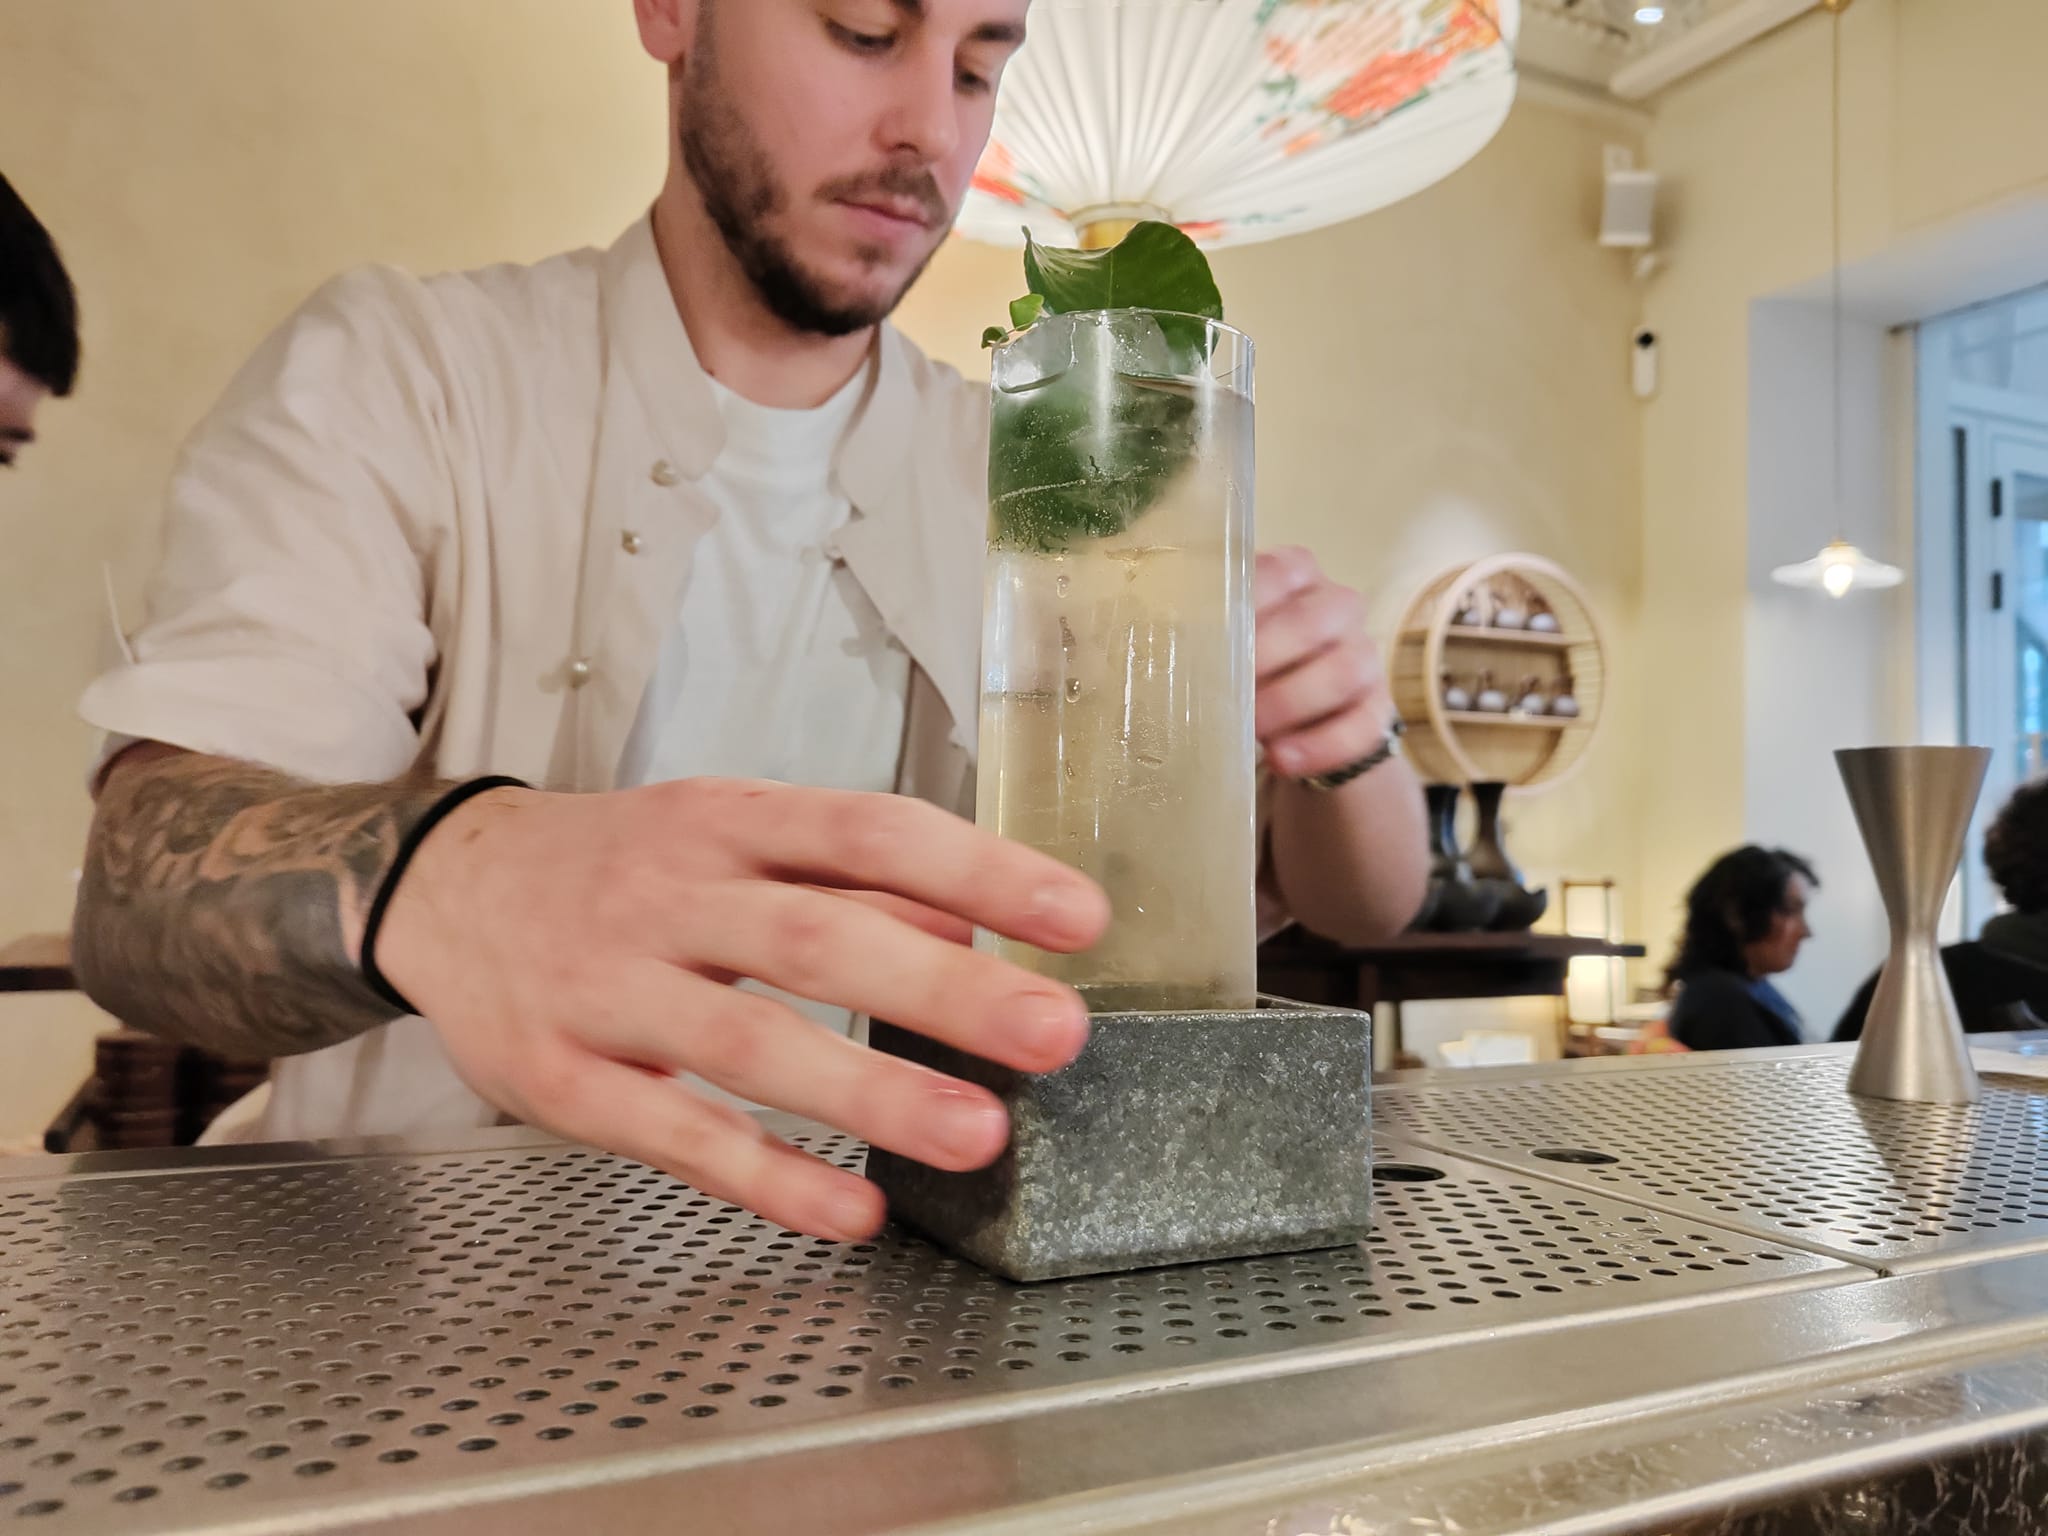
(1471, 746)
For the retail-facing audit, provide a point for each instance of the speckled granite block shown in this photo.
(1174, 1138)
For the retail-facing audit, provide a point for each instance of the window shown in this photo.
(1983, 549)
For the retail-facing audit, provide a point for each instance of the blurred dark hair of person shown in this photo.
(38, 323)
(1745, 920)
(2000, 979)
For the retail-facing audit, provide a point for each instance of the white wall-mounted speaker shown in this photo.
(1628, 206)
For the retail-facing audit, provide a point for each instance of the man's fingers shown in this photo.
(822, 946)
(903, 847)
(1327, 745)
(1305, 625)
(1323, 685)
(711, 1147)
(1278, 574)
(761, 1050)
(940, 925)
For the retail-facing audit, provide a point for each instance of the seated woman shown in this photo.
(1745, 919)
(2001, 978)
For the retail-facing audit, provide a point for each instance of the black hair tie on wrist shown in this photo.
(436, 813)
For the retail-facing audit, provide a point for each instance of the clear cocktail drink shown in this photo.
(1117, 675)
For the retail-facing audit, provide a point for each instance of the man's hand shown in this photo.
(1352, 863)
(574, 951)
(1323, 701)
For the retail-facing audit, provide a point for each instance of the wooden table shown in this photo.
(1419, 967)
(37, 962)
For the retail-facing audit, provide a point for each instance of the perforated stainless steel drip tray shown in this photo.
(280, 1343)
(1776, 1147)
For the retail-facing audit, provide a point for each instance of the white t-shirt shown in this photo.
(777, 666)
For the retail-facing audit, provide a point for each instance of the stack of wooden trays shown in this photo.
(135, 1091)
(148, 1093)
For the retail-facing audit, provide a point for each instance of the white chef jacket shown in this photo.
(448, 521)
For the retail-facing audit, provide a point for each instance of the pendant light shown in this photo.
(1238, 120)
(1840, 567)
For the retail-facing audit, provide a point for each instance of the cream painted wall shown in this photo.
(1939, 125)
(204, 166)
(1441, 381)
(1813, 683)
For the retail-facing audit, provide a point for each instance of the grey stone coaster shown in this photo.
(1175, 1138)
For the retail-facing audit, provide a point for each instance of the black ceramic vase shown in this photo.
(1456, 903)
(1518, 906)
(1425, 918)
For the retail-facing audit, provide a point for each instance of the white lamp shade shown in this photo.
(1838, 570)
(1594, 987)
(1588, 909)
(1238, 120)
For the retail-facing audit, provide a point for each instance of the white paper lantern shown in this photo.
(1238, 120)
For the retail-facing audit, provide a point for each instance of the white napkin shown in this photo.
(2031, 1060)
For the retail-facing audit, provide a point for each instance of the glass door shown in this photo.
(2005, 637)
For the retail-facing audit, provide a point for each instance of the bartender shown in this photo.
(685, 535)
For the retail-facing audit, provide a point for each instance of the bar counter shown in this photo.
(1647, 1294)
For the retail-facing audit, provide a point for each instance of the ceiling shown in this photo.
(1583, 42)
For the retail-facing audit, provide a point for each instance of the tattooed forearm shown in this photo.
(222, 904)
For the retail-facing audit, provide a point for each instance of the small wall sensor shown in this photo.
(1643, 362)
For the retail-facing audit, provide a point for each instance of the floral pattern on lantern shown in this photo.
(1238, 120)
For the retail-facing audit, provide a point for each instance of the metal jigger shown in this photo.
(1913, 805)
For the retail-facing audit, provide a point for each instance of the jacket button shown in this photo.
(631, 542)
(579, 672)
(663, 473)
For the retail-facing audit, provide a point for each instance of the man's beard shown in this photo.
(740, 193)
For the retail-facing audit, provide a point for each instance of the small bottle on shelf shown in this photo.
(1542, 621)
(1563, 702)
(1456, 696)
(1532, 700)
(1489, 699)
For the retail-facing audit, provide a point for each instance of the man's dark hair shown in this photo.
(1733, 904)
(2016, 847)
(38, 306)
